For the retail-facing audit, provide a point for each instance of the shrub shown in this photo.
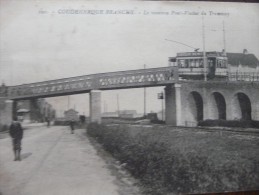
(148, 155)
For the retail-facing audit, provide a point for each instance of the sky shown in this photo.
(43, 40)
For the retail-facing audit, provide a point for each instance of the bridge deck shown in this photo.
(103, 81)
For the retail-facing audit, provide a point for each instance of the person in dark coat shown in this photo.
(16, 132)
(48, 122)
(72, 126)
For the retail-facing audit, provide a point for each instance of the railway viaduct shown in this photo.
(186, 102)
(189, 102)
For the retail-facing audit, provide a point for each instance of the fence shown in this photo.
(243, 76)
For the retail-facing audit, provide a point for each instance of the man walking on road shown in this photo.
(16, 132)
(72, 123)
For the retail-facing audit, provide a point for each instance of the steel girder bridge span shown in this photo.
(92, 84)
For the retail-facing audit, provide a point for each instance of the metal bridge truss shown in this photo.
(102, 81)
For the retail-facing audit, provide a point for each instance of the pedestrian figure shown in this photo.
(16, 132)
(72, 123)
(48, 122)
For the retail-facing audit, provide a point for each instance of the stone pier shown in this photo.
(95, 106)
(6, 111)
(173, 104)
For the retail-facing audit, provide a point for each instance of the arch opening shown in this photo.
(195, 107)
(242, 107)
(220, 105)
(245, 106)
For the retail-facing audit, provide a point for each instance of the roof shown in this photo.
(244, 59)
(71, 111)
(128, 112)
(22, 110)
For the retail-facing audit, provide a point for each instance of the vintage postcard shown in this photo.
(130, 97)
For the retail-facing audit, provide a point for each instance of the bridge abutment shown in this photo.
(173, 105)
(95, 106)
(6, 111)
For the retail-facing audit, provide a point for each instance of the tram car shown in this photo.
(191, 66)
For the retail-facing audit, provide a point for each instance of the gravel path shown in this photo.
(55, 162)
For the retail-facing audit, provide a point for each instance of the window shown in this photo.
(221, 63)
(187, 64)
(181, 63)
(192, 63)
(201, 63)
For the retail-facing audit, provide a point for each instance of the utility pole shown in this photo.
(204, 52)
(162, 106)
(225, 49)
(224, 38)
(145, 97)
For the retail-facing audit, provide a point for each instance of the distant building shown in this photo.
(122, 114)
(110, 114)
(71, 115)
(39, 110)
(3, 90)
(243, 62)
(128, 114)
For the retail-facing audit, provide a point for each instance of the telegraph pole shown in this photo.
(224, 37)
(162, 106)
(204, 52)
(144, 97)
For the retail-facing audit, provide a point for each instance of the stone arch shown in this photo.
(195, 107)
(241, 106)
(218, 106)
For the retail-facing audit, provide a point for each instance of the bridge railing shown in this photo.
(80, 84)
(243, 76)
(137, 77)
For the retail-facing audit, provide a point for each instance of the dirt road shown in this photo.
(55, 162)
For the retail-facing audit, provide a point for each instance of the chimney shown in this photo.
(245, 51)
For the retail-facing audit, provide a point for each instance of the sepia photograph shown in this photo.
(129, 97)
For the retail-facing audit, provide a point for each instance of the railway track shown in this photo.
(226, 130)
(243, 131)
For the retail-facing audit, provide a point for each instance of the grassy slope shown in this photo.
(198, 161)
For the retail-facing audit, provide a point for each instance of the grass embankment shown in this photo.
(168, 159)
